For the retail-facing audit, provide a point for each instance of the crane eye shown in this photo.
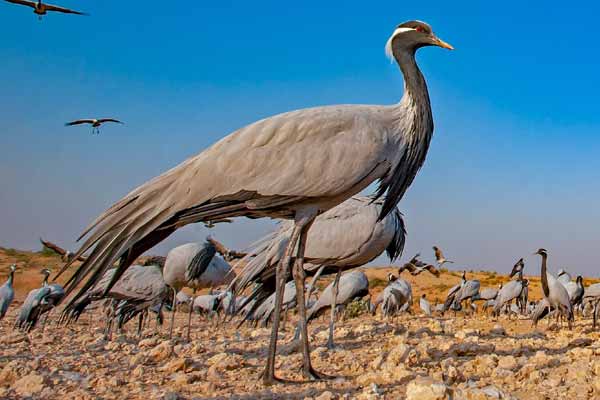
(420, 29)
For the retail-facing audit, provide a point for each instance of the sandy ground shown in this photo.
(412, 356)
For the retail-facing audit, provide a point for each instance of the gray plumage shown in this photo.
(295, 165)
(7, 292)
(347, 236)
(352, 285)
(451, 295)
(575, 290)
(396, 297)
(265, 309)
(554, 292)
(509, 292)
(469, 290)
(489, 293)
(197, 266)
(38, 302)
(424, 305)
(140, 288)
(563, 276)
(206, 303)
(592, 296)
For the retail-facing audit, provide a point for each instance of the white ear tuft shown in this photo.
(388, 46)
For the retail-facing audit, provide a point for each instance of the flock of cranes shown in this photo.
(305, 168)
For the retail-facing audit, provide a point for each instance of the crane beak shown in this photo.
(440, 43)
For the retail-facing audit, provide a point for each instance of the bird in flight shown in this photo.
(40, 8)
(96, 123)
(439, 257)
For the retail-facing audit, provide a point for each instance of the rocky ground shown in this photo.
(412, 357)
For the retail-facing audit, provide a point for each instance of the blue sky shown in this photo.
(513, 165)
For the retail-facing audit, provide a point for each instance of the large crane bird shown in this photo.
(294, 165)
(555, 294)
(345, 237)
(197, 266)
(38, 302)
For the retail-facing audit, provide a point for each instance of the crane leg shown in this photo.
(299, 277)
(189, 327)
(173, 314)
(281, 274)
(302, 223)
(336, 283)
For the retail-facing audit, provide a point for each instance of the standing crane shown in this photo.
(7, 292)
(197, 266)
(512, 290)
(294, 165)
(38, 302)
(395, 297)
(140, 288)
(350, 286)
(555, 294)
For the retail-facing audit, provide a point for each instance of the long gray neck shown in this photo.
(10, 278)
(414, 126)
(415, 87)
(45, 283)
(544, 276)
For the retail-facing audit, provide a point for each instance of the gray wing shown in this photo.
(508, 293)
(488, 294)
(23, 3)
(351, 285)
(223, 182)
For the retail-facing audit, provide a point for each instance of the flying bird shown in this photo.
(416, 266)
(294, 165)
(439, 257)
(41, 9)
(95, 123)
(65, 255)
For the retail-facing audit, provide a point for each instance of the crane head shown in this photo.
(541, 252)
(411, 36)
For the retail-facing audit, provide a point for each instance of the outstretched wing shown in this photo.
(102, 120)
(57, 249)
(433, 270)
(23, 3)
(80, 121)
(50, 7)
